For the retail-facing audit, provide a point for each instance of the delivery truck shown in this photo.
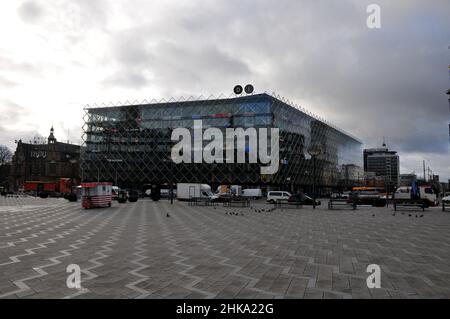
(415, 193)
(186, 191)
(58, 188)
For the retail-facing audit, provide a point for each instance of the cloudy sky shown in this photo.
(58, 56)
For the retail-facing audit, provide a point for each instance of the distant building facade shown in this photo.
(352, 172)
(407, 179)
(384, 163)
(44, 162)
(448, 93)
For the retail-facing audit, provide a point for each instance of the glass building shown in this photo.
(130, 145)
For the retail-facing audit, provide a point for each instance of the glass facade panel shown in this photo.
(140, 137)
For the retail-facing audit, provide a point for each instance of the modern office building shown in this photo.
(130, 145)
(44, 161)
(384, 163)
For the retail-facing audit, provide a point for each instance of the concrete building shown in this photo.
(44, 161)
(384, 163)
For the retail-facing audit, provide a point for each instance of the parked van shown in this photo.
(254, 193)
(273, 196)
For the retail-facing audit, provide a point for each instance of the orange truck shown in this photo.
(57, 188)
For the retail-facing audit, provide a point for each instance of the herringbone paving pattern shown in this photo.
(134, 250)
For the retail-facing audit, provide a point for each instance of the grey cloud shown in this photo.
(30, 11)
(10, 112)
(373, 83)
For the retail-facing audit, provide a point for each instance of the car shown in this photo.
(446, 199)
(122, 196)
(335, 195)
(303, 198)
(274, 196)
(133, 196)
(115, 192)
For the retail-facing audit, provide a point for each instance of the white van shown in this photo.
(273, 196)
(254, 193)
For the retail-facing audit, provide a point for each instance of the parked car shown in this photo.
(273, 196)
(335, 195)
(115, 192)
(122, 197)
(133, 196)
(303, 198)
(345, 195)
(446, 199)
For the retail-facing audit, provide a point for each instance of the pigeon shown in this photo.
(373, 215)
(403, 213)
(421, 216)
(416, 216)
(167, 215)
(409, 215)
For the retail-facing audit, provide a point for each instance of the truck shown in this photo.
(234, 190)
(96, 195)
(58, 188)
(186, 191)
(414, 193)
(254, 193)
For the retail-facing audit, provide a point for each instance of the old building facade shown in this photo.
(44, 162)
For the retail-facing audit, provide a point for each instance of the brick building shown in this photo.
(44, 162)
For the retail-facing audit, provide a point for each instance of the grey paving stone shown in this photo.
(134, 251)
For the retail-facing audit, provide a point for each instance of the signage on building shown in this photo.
(38, 154)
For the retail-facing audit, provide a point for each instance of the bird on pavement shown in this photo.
(167, 215)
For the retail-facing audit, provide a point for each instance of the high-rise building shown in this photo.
(383, 163)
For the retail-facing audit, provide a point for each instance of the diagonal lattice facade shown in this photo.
(130, 145)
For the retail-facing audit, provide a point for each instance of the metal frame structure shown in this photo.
(130, 143)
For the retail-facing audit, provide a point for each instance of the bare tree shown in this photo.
(5, 155)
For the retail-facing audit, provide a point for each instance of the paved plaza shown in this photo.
(157, 250)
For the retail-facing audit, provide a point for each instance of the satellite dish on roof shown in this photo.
(249, 89)
(237, 90)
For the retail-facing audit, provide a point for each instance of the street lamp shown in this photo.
(314, 151)
(170, 161)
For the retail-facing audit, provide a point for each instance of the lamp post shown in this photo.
(170, 161)
(314, 151)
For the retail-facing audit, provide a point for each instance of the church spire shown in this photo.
(51, 137)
